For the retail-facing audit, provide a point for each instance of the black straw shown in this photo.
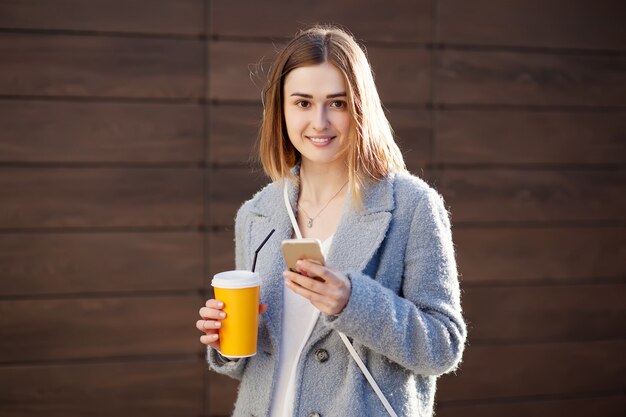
(256, 252)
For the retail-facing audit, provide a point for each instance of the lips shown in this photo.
(320, 140)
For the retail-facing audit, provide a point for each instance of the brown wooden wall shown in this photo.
(125, 126)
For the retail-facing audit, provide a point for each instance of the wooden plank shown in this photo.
(221, 250)
(578, 407)
(545, 313)
(540, 255)
(183, 17)
(234, 132)
(526, 137)
(60, 65)
(77, 328)
(402, 74)
(229, 189)
(33, 264)
(398, 20)
(557, 24)
(525, 78)
(155, 388)
(43, 131)
(100, 197)
(519, 195)
(221, 394)
(551, 369)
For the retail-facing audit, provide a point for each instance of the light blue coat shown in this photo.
(403, 315)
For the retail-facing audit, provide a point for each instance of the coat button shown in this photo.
(321, 355)
(314, 415)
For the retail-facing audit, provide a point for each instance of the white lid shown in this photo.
(236, 279)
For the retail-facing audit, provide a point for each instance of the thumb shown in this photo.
(262, 308)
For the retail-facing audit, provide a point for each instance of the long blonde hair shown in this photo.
(373, 154)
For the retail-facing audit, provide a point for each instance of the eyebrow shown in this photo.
(328, 96)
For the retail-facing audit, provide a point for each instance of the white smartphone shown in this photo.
(296, 249)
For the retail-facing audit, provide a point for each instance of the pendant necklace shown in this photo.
(309, 223)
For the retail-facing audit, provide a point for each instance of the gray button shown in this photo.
(321, 355)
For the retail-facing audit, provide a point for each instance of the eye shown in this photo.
(303, 104)
(339, 104)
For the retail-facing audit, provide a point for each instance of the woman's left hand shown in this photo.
(329, 295)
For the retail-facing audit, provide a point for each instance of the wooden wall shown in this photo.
(125, 127)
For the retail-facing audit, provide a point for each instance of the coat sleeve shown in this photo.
(422, 330)
(217, 362)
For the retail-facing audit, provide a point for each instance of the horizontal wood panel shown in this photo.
(492, 195)
(163, 388)
(397, 20)
(402, 74)
(60, 65)
(521, 78)
(577, 312)
(100, 197)
(235, 128)
(229, 189)
(569, 369)
(531, 137)
(143, 16)
(35, 330)
(556, 23)
(78, 263)
(51, 131)
(583, 407)
(221, 250)
(540, 255)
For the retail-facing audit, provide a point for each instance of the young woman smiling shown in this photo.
(389, 289)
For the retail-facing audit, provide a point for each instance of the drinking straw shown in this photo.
(256, 252)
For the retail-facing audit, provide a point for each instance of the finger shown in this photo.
(211, 313)
(262, 308)
(303, 281)
(210, 339)
(208, 325)
(216, 304)
(315, 269)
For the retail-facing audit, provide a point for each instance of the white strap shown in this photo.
(351, 349)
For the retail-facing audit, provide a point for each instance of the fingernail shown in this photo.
(222, 315)
(213, 336)
(220, 304)
(218, 324)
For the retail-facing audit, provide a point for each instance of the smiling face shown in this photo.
(316, 113)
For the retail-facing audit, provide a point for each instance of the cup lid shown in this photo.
(236, 279)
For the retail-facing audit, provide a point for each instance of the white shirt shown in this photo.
(299, 318)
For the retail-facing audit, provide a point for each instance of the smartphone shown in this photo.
(296, 249)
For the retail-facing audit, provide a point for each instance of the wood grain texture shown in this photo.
(519, 195)
(528, 78)
(221, 250)
(184, 17)
(36, 264)
(550, 369)
(43, 131)
(530, 137)
(584, 407)
(221, 394)
(391, 21)
(239, 69)
(553, 24)
(156, 388)
(540, 255)
(100, 197)
(229, 189)
(61, 65)
(49, 329)
(544, 313)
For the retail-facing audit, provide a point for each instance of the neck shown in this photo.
(318, 183)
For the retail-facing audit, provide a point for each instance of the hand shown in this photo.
(329, 294)
(210, 324)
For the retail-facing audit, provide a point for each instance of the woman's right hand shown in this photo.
(210, 324)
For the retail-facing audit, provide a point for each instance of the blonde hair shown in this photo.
(373, 153)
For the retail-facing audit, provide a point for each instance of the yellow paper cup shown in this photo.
(240, 293)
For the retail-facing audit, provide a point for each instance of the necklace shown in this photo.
(309, 223)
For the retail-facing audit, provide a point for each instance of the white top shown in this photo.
(299, 318)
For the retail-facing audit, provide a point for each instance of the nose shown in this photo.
(320, 119)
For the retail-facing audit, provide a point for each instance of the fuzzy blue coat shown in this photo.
(403, 315)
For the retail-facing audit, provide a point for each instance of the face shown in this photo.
(316, 113)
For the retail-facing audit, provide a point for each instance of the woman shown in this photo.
(390, 281)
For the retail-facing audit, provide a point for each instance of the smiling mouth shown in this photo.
(320, 140)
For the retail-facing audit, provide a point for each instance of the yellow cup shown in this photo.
(240, 293)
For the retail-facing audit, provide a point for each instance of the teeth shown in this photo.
(320, 140)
